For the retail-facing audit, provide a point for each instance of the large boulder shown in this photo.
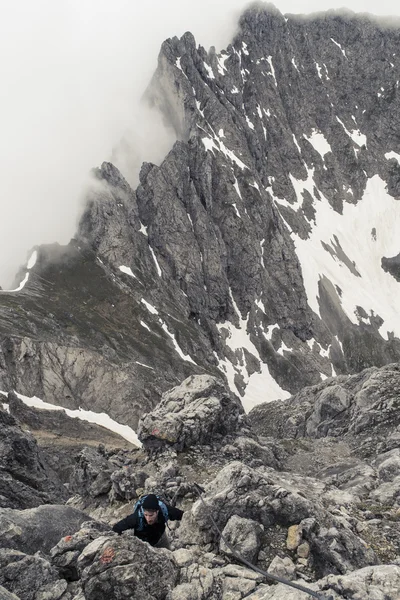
(25, 480)
(38, 528)
(78, 546)
(364, 403)
(6, 595)
(29, 577)
(244, 536)
(199, 411)
(126, 568)
(248, 493)
(92, 473)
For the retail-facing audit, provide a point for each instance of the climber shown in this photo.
(148, 520)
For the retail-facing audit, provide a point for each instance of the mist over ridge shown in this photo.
(75, 75)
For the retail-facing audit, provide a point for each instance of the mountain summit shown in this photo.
(263, 249)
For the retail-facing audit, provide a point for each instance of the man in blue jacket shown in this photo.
(148, 520)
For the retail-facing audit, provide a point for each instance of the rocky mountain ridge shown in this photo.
(219, 262)
(322, 512)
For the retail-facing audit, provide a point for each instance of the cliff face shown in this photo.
(253, 251)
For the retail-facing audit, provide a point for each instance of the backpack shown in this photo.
(141, 520)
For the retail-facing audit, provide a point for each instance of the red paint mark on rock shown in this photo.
(107, 556)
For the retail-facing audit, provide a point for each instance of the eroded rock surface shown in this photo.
(197, 412)
(25, 480)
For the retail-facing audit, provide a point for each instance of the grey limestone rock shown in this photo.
(127, 481)
(206, 242)
(283, 567)
(77, 547)
(131, 569)
(29, 577)
(244, 535)
(92, 474)
(25, 479)
(197, 412)
(239, 490)
(380, 582)
(359, 404)
(40, 528)
(6, 595)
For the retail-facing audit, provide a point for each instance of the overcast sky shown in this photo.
(72, 73)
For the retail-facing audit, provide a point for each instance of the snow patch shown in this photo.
(356, 135)
(376, 291)
(260, 305)
(221, 58)
(392, 154)
(236, 186)
(339, 46)
(236, 210)
(262, 253)
(218, 145)
(209, 70)
(101, 419)
(32, 260)
(30, 264)
(260, 387)
(319, 142)
(127, 270)
(143, 324)
(149, 307)
(269, 59)
(143, 365)
(156, 261)
(178, 349)
(22, 284)
(249, 123)
(296, 144)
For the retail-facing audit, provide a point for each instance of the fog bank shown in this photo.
(72, 76)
